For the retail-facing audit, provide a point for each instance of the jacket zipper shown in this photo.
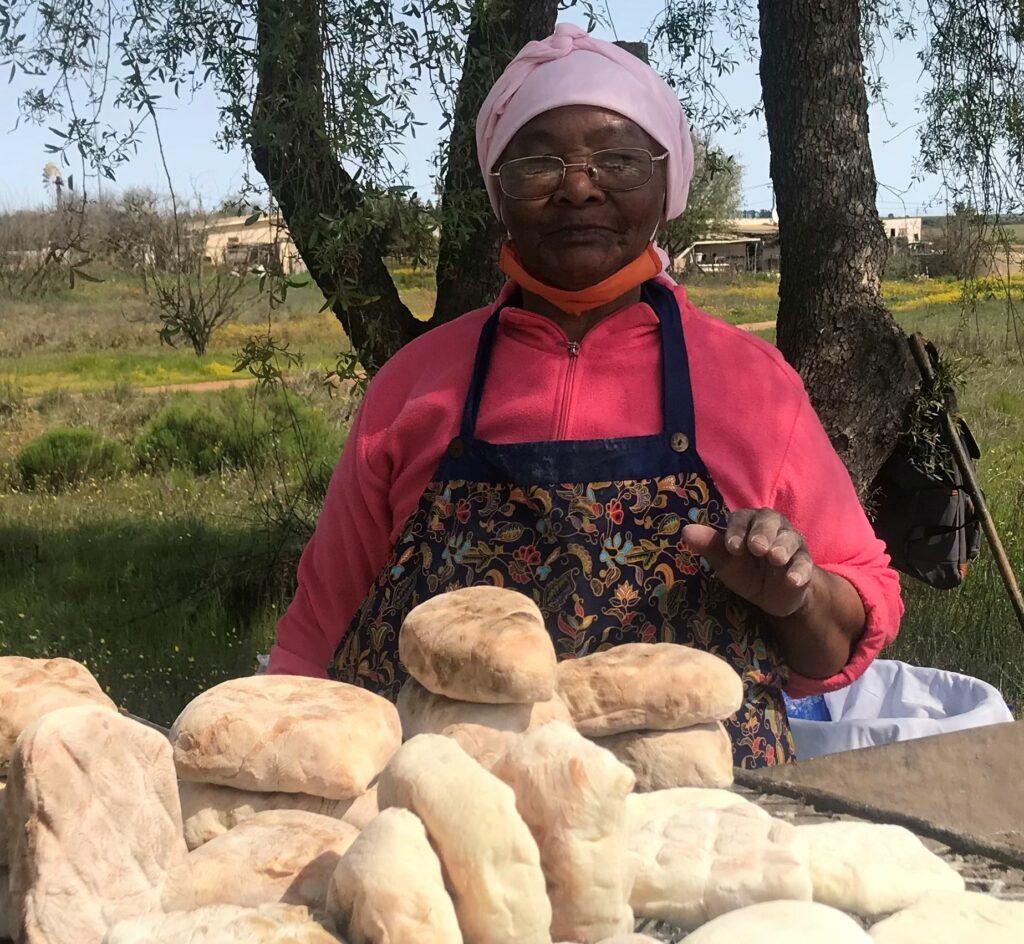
(573, 347)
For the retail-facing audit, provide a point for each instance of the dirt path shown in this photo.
(202, 386)
(757, 326)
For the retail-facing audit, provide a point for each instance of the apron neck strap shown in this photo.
(676, 390)
(677, 396)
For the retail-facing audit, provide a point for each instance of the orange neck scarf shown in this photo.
(646, 266)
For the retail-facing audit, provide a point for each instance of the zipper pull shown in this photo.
(573, 347)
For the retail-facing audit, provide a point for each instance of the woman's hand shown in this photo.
(817, 615)
(760, 557)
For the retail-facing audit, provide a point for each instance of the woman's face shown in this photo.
(581, 234)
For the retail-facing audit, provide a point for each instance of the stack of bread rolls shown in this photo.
(658, 708)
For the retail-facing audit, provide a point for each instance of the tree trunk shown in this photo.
(467, 268)
(292, 149)
(832, 325)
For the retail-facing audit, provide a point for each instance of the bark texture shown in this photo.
(832, 325)
(467, 269)
(292, 149)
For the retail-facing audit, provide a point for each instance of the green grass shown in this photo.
(162, 587)
(164, 584)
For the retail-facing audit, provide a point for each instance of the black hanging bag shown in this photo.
(923, 512)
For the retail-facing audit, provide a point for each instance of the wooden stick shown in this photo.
(963, 462)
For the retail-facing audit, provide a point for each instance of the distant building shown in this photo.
(266, 242)
(720, 255)
(906, 228)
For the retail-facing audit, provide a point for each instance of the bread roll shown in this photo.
(954, 918)
(870, 869)
(482, 644)
(224, 924)
(488, 854)
(572, 795)
(423, 712)
(285, 733)
(97, 832)
(30, 688)
(285, 856)
(388, 887)
(209, 811)
(782, 922)
(648, 686)
(700, 756)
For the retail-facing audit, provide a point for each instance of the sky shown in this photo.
(199, 167)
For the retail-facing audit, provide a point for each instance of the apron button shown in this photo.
(680, 442)
(456, 449)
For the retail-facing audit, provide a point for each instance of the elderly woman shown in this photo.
(644, 471)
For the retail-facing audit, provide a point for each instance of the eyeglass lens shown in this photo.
(613, 169)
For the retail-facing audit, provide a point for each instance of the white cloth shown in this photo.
(894, 701)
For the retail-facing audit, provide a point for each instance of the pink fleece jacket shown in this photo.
(756, 431)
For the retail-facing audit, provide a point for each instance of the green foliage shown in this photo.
(925, 438)
(245, 430)
(184, 435)
(407, 227)
(67, 456)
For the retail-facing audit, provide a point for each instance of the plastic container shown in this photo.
(893, 701)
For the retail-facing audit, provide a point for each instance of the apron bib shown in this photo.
(592, 531)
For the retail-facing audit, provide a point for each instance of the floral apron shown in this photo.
(591, 530)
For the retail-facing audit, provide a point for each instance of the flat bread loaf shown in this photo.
(648, 686)
(572, 795)
(655, 808)
(954, 918)
(490, 858)
(271, 733)
(97, 832)
(209, 811)
(423, 712)
(696, 858)
(782, 922)
(482, 644)
(869, 869)
(30, 688)
(285, 856)
(388, 887)
(224, 924)
(700, 756)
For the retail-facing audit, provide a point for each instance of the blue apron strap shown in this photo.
(481, 364)
(677, 394)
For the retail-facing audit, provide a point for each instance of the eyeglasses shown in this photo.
(615, 169)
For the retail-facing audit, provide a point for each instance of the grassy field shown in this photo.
(165, 582)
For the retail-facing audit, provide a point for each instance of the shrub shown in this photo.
(65, 456)
(277, 431)
(184, 434)
(280, 430)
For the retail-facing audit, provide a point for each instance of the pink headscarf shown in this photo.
(572, 68)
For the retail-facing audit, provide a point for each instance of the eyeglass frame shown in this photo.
(584, 164)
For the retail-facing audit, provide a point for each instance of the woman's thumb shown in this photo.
(707, 543)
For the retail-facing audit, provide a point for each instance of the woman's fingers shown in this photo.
(785, 547)
(738, 528)
(801, 569)
(763, 531)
